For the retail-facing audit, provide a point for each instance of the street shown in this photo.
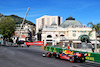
(32, 57)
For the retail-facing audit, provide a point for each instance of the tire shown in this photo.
(82, 59)
(71, 59)
(57, 56)
(75, 59)
(48, 54)
(54, 54)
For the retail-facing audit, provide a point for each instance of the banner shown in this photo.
(91, 56)
(37, 43)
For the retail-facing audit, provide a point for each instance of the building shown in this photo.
(46, 21)
(70, 32)
(25, 33)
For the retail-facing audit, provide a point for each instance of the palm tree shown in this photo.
(96, 29)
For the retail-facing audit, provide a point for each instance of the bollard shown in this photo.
(42, 47)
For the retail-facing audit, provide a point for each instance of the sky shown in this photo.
(84, 11)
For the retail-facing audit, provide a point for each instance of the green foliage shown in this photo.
(84, 38)
(7, 27)
(96, 27)
(18, 20)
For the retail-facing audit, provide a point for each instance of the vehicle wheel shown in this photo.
(82, 59)
(71, 59)
(57, 56)
(75, 59)
(48, 54)
(54, 54)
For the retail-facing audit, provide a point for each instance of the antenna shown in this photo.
(70, 12)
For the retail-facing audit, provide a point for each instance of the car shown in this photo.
(14, 45)
(75, 57)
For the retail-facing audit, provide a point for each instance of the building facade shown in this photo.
(25, 33)
(46, 21)
(70, 31)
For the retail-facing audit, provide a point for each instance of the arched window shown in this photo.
(62, 35)
(49, 36)
(56, 35)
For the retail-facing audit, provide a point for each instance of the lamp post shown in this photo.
(95, 41)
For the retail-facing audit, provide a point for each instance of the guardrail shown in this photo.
(91, 56)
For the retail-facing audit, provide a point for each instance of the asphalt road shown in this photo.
(32, 57)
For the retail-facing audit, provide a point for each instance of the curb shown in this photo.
(92, 62)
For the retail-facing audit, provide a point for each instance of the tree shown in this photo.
(7, 27)
(96, 29)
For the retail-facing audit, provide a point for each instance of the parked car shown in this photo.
(14, 45)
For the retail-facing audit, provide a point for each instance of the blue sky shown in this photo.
(84, 11)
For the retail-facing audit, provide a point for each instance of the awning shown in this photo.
(93, 42)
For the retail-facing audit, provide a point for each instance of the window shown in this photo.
(58, 20)
(42, 22)
(90, 34)
(56, 35)
(80, 31)
(48, 40)
(62, 35)
(74, 34)
(62, 32)
(84, 31)
(74, 31)
(49, 36)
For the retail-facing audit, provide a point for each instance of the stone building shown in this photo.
(70, 32)
(46, 21)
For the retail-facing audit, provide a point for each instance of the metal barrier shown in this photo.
(91, 56)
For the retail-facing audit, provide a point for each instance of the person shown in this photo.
(92, 48)
(46, 44)
(68, 47)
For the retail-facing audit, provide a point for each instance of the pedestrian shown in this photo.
(68, 47)
(46, 44)
(92, 48)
